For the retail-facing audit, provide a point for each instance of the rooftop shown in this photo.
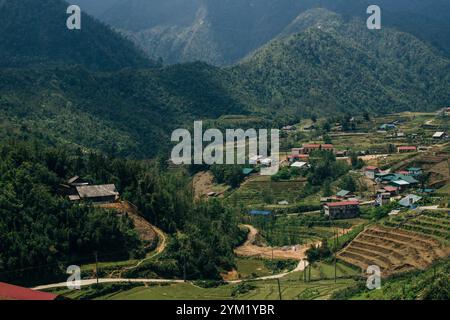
(105, 190)
(342, 204)
(12, 292)
(343, 193)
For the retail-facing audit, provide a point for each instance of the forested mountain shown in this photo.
(128, 113)
(224, 31)
(35, 33)
(42, 233)
(322, 62)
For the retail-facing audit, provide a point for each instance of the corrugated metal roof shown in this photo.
(105, 190)
(343, 203)
(12, 292)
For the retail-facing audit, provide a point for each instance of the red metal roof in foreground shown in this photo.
(343, 203)
(12, 292)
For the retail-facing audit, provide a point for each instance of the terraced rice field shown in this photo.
(401, 245)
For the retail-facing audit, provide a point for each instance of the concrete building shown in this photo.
(342, 210)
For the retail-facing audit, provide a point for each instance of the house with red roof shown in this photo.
(371, 171)
(309, 147)
(405, 149)
(12, 292)
(342, 210)
(391, 189)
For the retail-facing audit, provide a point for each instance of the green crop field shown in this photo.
(320, 286)
(300, 229)
(261, 191)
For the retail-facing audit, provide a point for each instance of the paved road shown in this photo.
(250, 239)
(88, 282)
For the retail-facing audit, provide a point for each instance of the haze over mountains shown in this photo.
(224, 31)
(93, 88)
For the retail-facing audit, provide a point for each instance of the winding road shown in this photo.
(248, 245)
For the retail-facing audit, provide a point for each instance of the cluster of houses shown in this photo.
(345, 205)
(79, 190)
(392, 185)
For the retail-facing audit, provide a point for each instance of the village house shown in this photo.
(371, 171)
(406, 149)
(413, 171)
(289, 128)
(439, 135)
(387, 126)
(309, 127)
(308, 148)
(260, 213)
(391, 190)
(400, 181)
(342, 210)
(341, 154)
(299, 165)
(106, 193)
(344, 194)
(383, 198)
(255, 160)
(298, 157)
(410, 201)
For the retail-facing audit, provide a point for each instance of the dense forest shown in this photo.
(34, 33)
(42, 233)
(323, 63)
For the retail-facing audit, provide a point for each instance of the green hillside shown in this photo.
(334, 65)
(35, 33)
(128, 113)
(223, 32)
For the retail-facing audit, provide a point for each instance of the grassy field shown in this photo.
(261, 191)
(445, 190)
(432, 283)
(300, 229)
(251, 268)
(320, 286)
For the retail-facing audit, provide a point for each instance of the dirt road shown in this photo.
(145, 229)
(249, 249)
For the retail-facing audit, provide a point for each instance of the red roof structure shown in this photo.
(12, 292)
(311, 146)
(371, 168)
(407, 148)
(343, 203)
(390, 189)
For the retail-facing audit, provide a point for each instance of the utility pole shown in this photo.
(184, 268)
(335, 260)
(96, 265)
(279, 289)
(309, 280)
(304, 273)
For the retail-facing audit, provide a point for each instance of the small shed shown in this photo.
(343, 194)
(259, 213)
(299, 164)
